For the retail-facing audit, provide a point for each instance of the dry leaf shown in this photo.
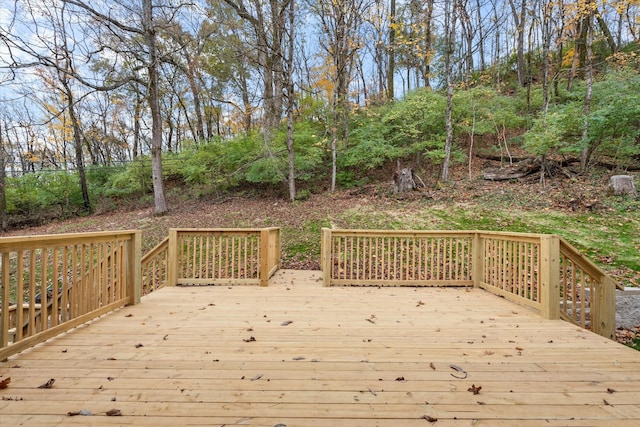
(401, 379)
(139, 345)
(114, 413)
(286, 322)
(429, 418)
(129, 315)
(48, 384)
(250, 339)
(519, 348)
(5, 383)
(475, 389)
(610, 391)
(432, 366)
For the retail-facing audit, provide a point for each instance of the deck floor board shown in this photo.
(297, 354)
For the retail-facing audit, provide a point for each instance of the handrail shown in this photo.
(586, 292)
(77, 277)
(154, 267)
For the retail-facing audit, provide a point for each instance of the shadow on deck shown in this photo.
(299, 354)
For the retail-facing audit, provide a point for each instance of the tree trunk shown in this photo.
(392, 53)
(586, 151)
(449, 28)
(195, 92)
(154, 105)
(4, 224)
(291, 103)
(622, 185)
(429, 44)
(519, 17)
(77, 139)
(403, 180)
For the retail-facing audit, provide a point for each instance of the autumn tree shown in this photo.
(340, 22)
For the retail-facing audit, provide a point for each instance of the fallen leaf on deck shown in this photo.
(519, 348)
(298, 358)
(372, 391)
(48, 384)
(114, 413)
(129, 315)
(419, 303)
(475, 389)
(111, 358)
(257, 377)
(432, 366)
(610, 390)
(286, 322)
(401, 379)
(250, 339)
(5, 383)
(139, 345)
(606, 403)
(429, 418)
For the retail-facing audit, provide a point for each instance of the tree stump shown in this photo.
(622, 185)
(403, 180)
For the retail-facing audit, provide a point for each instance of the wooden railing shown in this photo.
(586, 292)
(222, 256)
(50, 284)
(397, 258)
(541, 271)
(155, 267)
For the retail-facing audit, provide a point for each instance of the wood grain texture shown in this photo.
(301, 354)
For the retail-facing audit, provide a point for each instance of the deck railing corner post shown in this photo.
(325, 253)
(477, 257)
(603, 320)
(172, 262)
(550, 276)
(135, 268)
(263, 257)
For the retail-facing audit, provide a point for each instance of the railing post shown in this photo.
(550, 276)
(4, 302)
(603, 315)
(476, 259)
(172, 262)
(325, 251)
(263, 257)
(134, 281)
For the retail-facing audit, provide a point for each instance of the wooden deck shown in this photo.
(298, 354)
